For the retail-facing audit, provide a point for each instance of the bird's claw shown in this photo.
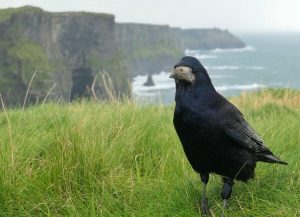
(224, 207)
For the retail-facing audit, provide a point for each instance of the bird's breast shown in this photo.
(196, 128)
(194, 116)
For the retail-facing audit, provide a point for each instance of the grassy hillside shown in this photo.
(119, 159)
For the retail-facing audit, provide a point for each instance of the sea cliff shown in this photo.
(54, 44)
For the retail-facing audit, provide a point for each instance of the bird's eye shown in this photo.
(181, 70)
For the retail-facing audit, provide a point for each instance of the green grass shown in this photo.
(121, 159)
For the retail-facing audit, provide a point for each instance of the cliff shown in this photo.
(153, 48)
(148, 48)
(207, 39)
(54, 44)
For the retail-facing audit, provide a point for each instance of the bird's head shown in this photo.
(190, 71)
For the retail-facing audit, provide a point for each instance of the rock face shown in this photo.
(53, 44)
(82, 80)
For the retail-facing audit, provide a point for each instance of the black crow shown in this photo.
(214, 134)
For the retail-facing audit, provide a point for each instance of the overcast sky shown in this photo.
(235, 15)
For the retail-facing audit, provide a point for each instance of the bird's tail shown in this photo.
(270, 159)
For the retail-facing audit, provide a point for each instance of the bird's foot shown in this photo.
(204, 207)
(224, 208)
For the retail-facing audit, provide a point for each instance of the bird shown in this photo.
(215, 135)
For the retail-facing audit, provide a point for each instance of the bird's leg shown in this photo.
(226, 191)
(204, 207)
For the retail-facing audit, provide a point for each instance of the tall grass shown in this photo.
(122, 159)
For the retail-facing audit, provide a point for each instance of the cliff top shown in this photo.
(5, 14)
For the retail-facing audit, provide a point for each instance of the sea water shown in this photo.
(268, 60)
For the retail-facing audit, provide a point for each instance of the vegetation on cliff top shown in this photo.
(122, 159)
(5, 14)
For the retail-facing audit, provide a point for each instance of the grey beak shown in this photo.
(172, 75)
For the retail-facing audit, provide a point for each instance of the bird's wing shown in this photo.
(237, 128)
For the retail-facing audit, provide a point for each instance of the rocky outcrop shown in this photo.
(149, 81)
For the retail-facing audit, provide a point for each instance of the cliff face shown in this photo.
(53, 44)
(148, 48)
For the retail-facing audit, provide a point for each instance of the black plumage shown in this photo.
(214, 134)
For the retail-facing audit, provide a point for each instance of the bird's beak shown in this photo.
(183, 73)
(172, 74)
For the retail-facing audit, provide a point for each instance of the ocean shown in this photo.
(268, 60)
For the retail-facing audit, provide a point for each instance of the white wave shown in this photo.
(155, 87)
(201, 57)
(255, 67)
(149, 94)
(243, 49)
(163, 82)
(240, 87)
(229, 67)
(197, 54)
(191, 52)
(224, 67)
(221, 76)
(161, 77)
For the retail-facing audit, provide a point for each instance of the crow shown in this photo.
(214, 134)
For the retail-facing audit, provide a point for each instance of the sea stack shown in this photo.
(149, 81)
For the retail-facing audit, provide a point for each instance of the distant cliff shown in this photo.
(53, 44)
(148, 48)
(153, 48)
(207, 39)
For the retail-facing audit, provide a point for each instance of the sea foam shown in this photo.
(240, 87)
(243, 49)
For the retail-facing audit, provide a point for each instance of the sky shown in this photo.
(235, 15)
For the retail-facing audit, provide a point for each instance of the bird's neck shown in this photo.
(195, 95)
